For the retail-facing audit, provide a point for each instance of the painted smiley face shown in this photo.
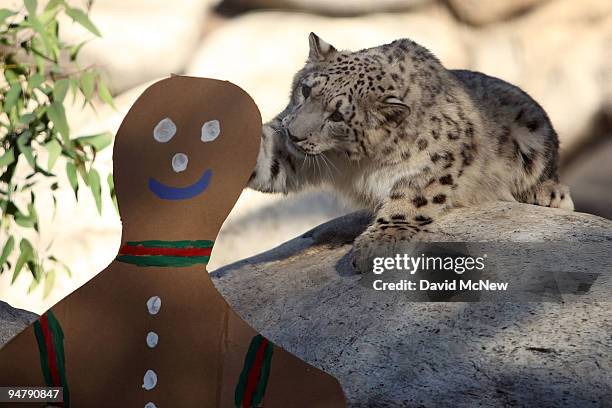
(163, 132)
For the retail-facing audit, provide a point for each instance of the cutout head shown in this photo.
(182, 156)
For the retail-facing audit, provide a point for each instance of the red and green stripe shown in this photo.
(255, 372)
(50, 339)
(166, 253)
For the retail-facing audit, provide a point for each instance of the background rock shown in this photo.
(589, 176)
(566, 67)
(142, 39)
(338, 7)
(386, 351)
(268, 48)
(12, 321)
(488, 11)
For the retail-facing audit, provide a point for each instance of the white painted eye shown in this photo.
(152, 339)
(154, 304)
(179, 162)
(164, 130)
(150, 380)
(210, 130)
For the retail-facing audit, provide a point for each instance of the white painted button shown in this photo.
(150, 405)
(164, 130)
(210, 130)
(152, 339)
(150, 380)
(154, 304)
(179, 162)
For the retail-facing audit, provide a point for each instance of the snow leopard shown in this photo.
(394, 131)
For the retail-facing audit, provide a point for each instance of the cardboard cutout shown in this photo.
(151, 330)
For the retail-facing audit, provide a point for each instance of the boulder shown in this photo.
(261, 51)
(567, 62)
(387, 351)
(12, 321)
(336, 8)
(589, 177)
(564, 67)
(479, 12)
(141, 40)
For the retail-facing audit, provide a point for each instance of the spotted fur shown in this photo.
(392, 129)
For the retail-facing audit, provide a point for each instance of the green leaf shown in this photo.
(55, 149)
(98, 142)
(87, 84)
(80, 17)
(26, 255)
(57, 115)
(60, 89)
(11, 97)
(11, 76)
(4, 14)
(35, 81)
(6, 251)
(7, 158)
(33, 214)
(96, 188)
(60, 263)
(37, 25)
(72, 177)
(48, 16)
(49, 281)
(113, 194)
(40, 63)
(36, 271)
(75, 49)
(31, 6)
(105, 94)
(25, 149)
(24, 221)
(27, 118)
(53, 4)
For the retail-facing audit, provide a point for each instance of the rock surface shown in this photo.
(389, 352)
(261, 51)
(338, 7)
(12, 321)
(568, 61)
(142, 39)
(489, 11)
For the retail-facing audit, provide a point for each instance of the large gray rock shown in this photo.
(388, 352)
(261, 51)
(566, 67)
(12, 321)
(337, 7)
(141, 39)
(589, 176)
(489, 11)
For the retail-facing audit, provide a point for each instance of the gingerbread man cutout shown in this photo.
(151, 330)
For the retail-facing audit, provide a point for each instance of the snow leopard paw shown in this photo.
(378, 242)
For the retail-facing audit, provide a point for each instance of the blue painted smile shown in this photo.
(180, 193)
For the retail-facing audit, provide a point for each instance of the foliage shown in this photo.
(38, 73)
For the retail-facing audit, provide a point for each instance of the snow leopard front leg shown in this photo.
(406, 215)
(278, 170)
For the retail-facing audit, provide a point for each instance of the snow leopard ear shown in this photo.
(394, 110)
(319, 49)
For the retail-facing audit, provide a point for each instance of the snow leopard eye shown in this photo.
(336, 117)
(306, 91)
